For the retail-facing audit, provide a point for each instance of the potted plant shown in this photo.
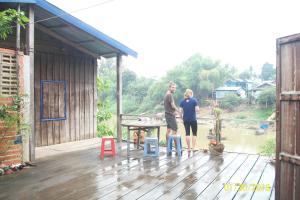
(215, 145)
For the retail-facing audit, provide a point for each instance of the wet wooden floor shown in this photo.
(82, 175)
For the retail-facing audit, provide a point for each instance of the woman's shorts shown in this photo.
(188, 125)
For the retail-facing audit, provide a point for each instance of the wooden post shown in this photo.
(119, 97)
(30, 52)
(18, 44)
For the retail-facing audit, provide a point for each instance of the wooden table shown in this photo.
(139, 126)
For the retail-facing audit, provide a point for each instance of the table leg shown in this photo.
(138, 139)
(128, 141)
(158, 134)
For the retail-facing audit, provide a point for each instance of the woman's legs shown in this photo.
(187, 134)
(194, 126)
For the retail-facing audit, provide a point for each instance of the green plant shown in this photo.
(241, 116)
(8, 18)
(267, 97)
(231, 101)
(12, 117)
(103, 104)
(268, 148)
(104, 130)
(218, 124)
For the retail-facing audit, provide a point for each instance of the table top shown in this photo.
(144, 124)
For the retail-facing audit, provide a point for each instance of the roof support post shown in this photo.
(18, 33)
(30, 52)
(119, 97)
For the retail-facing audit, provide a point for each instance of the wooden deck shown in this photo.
(82, 175)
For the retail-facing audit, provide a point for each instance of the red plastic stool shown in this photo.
(111, 151)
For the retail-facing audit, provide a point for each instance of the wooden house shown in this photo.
(61, 55)
(221, 92)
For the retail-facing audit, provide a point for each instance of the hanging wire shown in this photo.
(68, 13)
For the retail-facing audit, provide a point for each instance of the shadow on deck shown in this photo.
(82, 175)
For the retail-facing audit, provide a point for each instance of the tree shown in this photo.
(267, 72)
(231, 101)
(128, 77)
(267, 97)
(8, 19)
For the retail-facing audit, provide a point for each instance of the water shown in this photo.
(239, 138)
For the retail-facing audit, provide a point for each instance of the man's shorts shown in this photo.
(171, 122)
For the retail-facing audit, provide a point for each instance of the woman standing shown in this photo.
(188, 107)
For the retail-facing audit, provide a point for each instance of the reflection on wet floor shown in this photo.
(82, 175)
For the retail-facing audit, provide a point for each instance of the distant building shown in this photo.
(246, 85)
(221, 92)
(264, 85)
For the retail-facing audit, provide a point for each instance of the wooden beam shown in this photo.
(59, 26)
(63, 39)
(30, 45)
(119, 97)
(85, 41)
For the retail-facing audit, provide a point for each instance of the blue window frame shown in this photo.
(42, 94)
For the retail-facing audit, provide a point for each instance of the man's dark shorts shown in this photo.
(171, 122)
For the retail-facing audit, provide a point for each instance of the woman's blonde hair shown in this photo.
(188, 93)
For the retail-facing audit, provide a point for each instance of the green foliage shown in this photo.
(268, 72)
(269, 147)
(12, 116)
(241, 116)
(8, 19)
(218, 123)
(231, 101)
(104, 130)
(247, 74)
(267, 97)
(144, 95)
(263, 113)
(103, 104)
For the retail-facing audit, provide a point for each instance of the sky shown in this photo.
(165, 33)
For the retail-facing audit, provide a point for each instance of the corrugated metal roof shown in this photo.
(17, 1)
(74, 30)
(228, 88)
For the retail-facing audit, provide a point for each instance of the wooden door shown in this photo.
(288, 118)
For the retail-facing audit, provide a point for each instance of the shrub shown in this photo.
(231, 101)
(267, 97)
(269, 147)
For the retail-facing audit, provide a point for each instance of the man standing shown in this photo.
(170, 110)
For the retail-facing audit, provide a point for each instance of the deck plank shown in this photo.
(214, 177)
(195, 175)
(272, 197)
(228, 191)
(252, 177)
(264, 189)
(83, 175)
(149, 185)
(105, 179)
(126, 184)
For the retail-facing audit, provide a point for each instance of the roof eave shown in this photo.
(85, 27)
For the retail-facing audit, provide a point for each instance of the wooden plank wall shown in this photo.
(288, 117)
(79, 72)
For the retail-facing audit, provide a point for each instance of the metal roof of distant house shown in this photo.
(73, 29)
(266, 83)
(228, 88)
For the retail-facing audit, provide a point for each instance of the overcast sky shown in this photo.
(166, 32)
